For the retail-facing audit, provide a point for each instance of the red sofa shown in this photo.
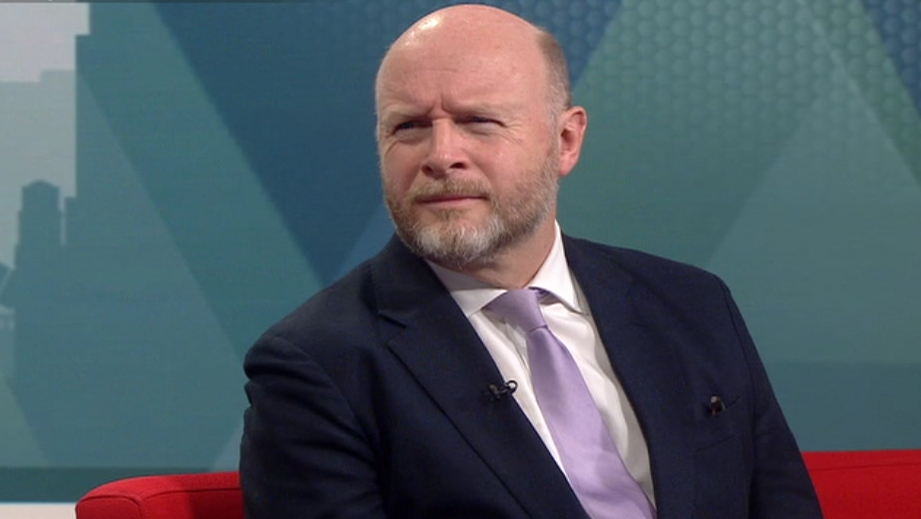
(882, 484)
(213, 495)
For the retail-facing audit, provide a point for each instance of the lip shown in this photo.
(450, 201)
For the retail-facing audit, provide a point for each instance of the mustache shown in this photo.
(450, 188)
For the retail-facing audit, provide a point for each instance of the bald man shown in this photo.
(401, 392)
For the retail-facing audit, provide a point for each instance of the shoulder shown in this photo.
(342, 304)
(652, 284)
(344, 312)
(351, 313)
(641, 267)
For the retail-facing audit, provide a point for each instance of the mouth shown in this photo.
(451, 195)
(450, 200)
(449, 204)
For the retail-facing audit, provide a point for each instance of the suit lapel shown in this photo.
(647, 366)
(439, 347)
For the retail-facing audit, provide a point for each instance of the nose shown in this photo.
(446, 150)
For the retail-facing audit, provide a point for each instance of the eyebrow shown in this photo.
(388, 115)
(402, 112)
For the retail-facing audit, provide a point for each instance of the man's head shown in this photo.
(475, 129)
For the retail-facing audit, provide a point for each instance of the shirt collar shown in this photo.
(553, 276)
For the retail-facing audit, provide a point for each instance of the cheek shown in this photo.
(398, 171)
(500, 166)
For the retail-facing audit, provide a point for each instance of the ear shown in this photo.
(571, 128)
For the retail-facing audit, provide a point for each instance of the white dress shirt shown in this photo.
(570, 319)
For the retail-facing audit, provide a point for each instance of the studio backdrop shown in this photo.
(196, 170)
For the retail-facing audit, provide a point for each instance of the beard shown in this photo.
(455, 241)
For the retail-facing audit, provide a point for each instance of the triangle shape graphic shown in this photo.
(136, 334)
(229, 458)
(824, 256)
(685, 113)
(211, 200)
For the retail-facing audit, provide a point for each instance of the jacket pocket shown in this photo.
(722, 476)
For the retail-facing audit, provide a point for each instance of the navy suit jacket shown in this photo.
(370, 401)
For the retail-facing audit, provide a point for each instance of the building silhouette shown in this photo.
(7, 361)
(119, 357)
(34, 288)
(7, 366)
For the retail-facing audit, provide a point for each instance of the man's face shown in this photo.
(469, 158)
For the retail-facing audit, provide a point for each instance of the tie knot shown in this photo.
(520, 307)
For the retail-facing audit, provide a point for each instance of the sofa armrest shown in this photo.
(884, 484)
(182, 496)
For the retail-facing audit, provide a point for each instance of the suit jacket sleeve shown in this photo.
(304, 454)
(781, 487)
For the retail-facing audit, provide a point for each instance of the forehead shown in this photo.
(478, 72)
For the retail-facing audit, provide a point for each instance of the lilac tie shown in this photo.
(595, 469)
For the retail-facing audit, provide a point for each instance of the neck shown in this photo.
(516, 265)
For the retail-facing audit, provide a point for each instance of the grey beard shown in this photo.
(456, 247)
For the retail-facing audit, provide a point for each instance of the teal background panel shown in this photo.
(226, 171)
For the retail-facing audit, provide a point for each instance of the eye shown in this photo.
(482, 120)
(408, 125)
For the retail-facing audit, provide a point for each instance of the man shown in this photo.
(406, 390)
